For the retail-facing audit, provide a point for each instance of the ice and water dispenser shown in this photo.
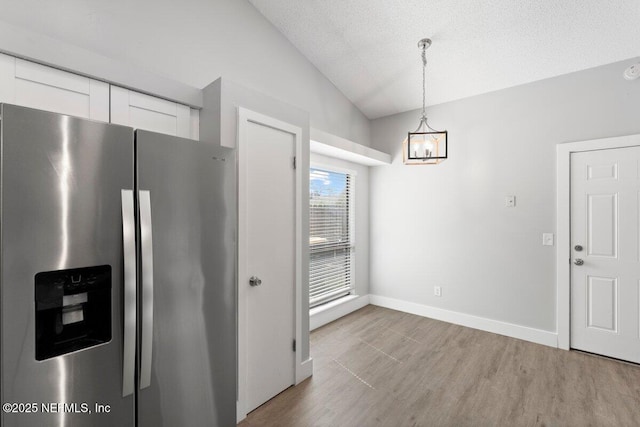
(73, 310)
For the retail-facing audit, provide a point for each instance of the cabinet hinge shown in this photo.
(294, 345)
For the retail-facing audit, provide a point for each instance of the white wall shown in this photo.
(447, 225)
(218, 125)
(191, 41)
(361, 219)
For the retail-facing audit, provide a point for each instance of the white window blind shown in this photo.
(330, 235)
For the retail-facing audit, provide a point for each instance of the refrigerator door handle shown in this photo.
(129, 252)
(146, 249)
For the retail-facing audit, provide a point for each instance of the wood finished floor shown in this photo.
(380, 367)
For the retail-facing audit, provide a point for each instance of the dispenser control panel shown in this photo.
(73, 310)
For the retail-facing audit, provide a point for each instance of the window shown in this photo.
(330, 235)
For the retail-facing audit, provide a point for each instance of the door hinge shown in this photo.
(294, 345)
(294, 162)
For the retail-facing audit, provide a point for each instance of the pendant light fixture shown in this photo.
(425, 145)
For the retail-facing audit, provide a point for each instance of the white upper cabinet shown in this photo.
(141, 111)
(37, 86)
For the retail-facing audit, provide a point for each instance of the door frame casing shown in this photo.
(246, 116)
(563, 223)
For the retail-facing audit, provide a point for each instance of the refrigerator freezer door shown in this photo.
(193, 360)
(61, 209)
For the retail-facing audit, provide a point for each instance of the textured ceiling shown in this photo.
(368, 48)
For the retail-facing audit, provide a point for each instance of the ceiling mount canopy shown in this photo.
(425, 145)
(424, 45)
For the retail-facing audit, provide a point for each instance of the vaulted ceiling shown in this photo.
(368, 48)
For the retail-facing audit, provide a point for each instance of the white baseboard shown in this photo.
(305, 371)
(334, 310)
(495, 326)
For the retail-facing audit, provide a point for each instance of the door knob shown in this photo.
(255, 281)
(578, 261)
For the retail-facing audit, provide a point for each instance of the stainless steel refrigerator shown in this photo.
(117, 276)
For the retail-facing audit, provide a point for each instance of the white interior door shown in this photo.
(268, 232)
(605, 271)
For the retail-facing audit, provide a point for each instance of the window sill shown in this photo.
(327, 313)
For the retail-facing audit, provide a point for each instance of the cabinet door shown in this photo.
(37, 86)
(141, 111)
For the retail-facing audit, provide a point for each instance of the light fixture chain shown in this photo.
(424, 80)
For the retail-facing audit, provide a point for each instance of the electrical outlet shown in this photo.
(437, 291)
(510, 201)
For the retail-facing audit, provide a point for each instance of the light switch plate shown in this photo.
(547, 239)
(510, 201)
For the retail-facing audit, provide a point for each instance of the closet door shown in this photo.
(37, 86)
(146, 112)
